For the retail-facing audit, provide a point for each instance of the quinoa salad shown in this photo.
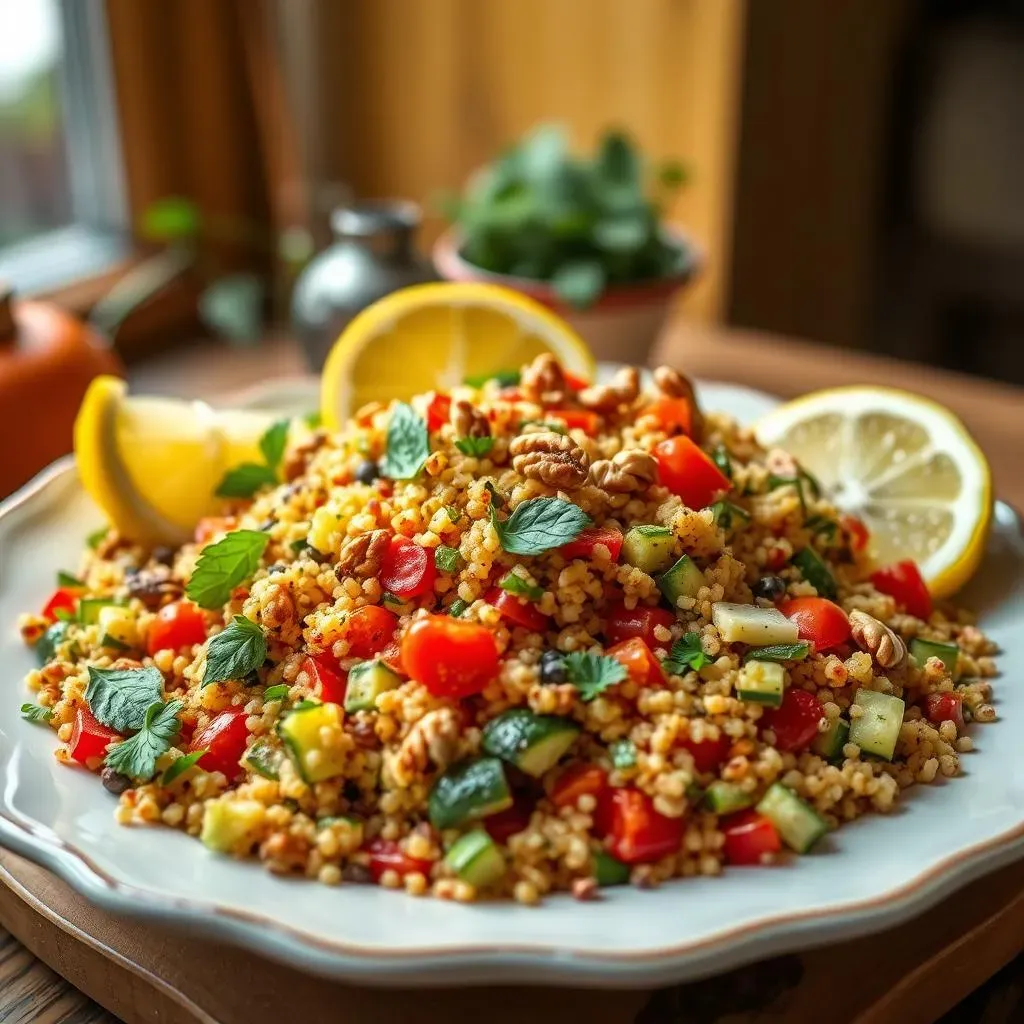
(528, 636)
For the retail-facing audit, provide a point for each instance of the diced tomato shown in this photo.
(438, 411)
(407, 569)
(392, 657)
(749, 838)
(575, 383)
(369, 630)
(819, 620)
(329, 682)
(89, 738)
(578, 419)
(449, 657)
(688, 471)
(795, 722)
(224, 739)
(583, 546)
(387, 855)
(857, 531)
(176, 625)
(511, 820)
(209, 526)
(639, 660)
(584, 779)
(517, 610)
(674, 415)
(639, 833)
(625, 623)
(708, 755)
(945, 707)
(904, 583)
(64, 599)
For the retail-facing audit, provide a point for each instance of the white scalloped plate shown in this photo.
(871, 875)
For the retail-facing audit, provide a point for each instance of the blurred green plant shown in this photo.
(580, 223)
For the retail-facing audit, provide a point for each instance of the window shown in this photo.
(62, 202)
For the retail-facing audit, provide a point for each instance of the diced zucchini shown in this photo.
(533, 743)
(89, 608)
(232, 826)
(476, 859)
(264, 758)
(726, 797)
(779, 652)
(300, 729)
(762, 682)
(877, 729)
(829, 744)
(117, 623)
(948, 654)
(366, 682)
(46, 645)
(729, 516)
(649, 548)
(799, 825)
(468, 791)
(816, 572)
(623, 753)
(748, 624)
(609, 870)
(684, 579)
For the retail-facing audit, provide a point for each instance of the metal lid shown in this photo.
(376, 217)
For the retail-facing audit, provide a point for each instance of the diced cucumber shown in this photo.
(816, 572)
(300, 729)
(729, 516)
(476, 859)
(231, 826)
(366, 682)
(877, 729)
(117, 624)
(762, 682)
(533, 743)
(748, 624)
(684, 579)
(948, 654)
(623, 753)
(829, 744)
(726, 797)
(46, 645)
(89, 608)
(649, 548)
(264, 758)
(799, 825)
(468, 791)
(609, 870)
(779, 652)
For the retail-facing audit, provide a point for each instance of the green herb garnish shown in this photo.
(408, 444)
(180, 766)
(822, 525)
(305, 705)
(591, 673)
(113, 643)
(273, 443)
(686, 654)
(515, 584)
(778, 652)
(137, 757)
(388, 598)
(120, 697)
(458, 608)
(278, 692)
(298, 545)
(540, 524)
(497, 498)
(224, 565)
(447, 559)
(475, 447)
(505, 379)
(35, 713)
(454, 515)
(240, 648)
(720, 457)
(313, 420)
(96, 538)
(245, 480)
(65, 579)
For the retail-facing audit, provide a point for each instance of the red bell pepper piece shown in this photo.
(517, 610)
(639, 833)
(750, 838)
(639, 660)
(904, 583)
(387, 855)
(177, 625)
(795, 722)
(329, 681)
(89, 738)
(625, 623)
(224, 739)
(685, 469)
(369, 630)
(583, 546)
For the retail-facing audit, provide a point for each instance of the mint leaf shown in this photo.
(180, 766)
(222, 566)
(591, 673)
(96, 538)
(273, 443)
(687, 653)
(240, 648)
(447, 559)
(245, 480)
(35, 713)
(278, 692)
(623, 753)
(408, 444)
(515, 584)
(475, 447)
(458, 608)
(778, 652)
(65, 579)
(540, 524)
(119, 697)
(137, 757)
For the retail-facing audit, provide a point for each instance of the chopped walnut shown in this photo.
(543, 381)
(362, 555)
(553, 459)
(585, 889)
(469, 421)
(628, 471)
(153, 586)
(877, 639)
(620, 390)
(278, 609)
(297, 460)
(674, 384)
(433, 740)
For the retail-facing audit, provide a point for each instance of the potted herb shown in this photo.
(582, 235)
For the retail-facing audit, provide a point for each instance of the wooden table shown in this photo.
(154, 975)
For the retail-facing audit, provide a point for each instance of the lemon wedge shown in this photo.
(433, 337)
(904, 465)
(152, 464)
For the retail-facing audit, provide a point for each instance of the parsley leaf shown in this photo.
(458, 608)
(245, 480)
(137, 757)
(273, 443)
(591, 673)
(119, 697)
(687, 653)
(497, 499)
(540, 524)
(447, 559)
(278, 692)
(222, 566)
(65, 579)
(408, 444)
(623, 753)
(240, 648)
(35, 713)
(515, 584)
(475, 447)
(96, 537)
(180, 766)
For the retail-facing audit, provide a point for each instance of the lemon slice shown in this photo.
(904, 465)
(434, 336)
(152, 464)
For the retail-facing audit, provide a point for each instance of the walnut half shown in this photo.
(877, 639)
(553, 459)
(629, 470)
